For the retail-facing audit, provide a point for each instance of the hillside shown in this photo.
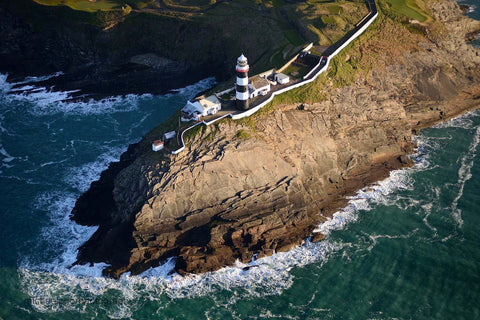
(139, 47)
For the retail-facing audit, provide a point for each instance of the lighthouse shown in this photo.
(242, 83)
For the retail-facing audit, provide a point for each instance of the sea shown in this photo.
(407, 247)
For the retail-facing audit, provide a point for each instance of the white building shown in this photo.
(157, 145)
(282, 78)
(169, 135)
(202, 107)
(258, 86)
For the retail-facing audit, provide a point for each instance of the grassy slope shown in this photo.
(83, 5)
(390, 34)
(282, 26)
(410, 9)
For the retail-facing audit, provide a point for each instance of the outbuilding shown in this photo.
(282, 78)
(157, 145)
(169, 135)
(201, 107)
(258, 86)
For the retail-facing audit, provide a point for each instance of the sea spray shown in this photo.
(55, 287)
(266, 276)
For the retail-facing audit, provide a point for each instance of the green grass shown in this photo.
(302, 70)
(293, 37)
(173, 5)
(334, 9)
(84, 5)
(242, 134)
(94, 6)
(278, 3)
(408, 8)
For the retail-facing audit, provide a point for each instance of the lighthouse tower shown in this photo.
(242, 83)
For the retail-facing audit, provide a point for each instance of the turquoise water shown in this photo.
(474, 13)
(406, 248)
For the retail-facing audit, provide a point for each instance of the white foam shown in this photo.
(24, 88)
(6, 156)
(47, 102)
(464, 174)
(191, 90)
(363, 199)
(2, 128)
(4, 85)
(60, 235)
(270, 276)
(463, 121)
(38, 79)
(81, 177)
(374, 237)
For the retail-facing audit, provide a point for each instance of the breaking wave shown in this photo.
(55, 286)
(81, 177)
(266, 276)
(45, 101)
(191, 90)
(464, 174)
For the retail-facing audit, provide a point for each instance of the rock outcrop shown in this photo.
(261, 185)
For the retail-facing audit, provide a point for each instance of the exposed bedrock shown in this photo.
(262, 185)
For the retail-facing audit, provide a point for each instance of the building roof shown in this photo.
(209, 102)
(258, 82)
(157, 143)
(281, 76)
(190, 107)
(169, 135)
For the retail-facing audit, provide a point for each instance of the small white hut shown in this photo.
(169, 135)
(157, 145)
(282, 78)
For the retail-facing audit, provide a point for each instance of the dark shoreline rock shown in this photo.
(190, 253)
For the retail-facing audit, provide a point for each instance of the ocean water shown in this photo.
(405, 248)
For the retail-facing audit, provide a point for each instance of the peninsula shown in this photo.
(261, 184)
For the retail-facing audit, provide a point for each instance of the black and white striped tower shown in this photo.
(242, 83)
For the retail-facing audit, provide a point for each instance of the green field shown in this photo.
(408, 8)
(96, 5)
(83, 5)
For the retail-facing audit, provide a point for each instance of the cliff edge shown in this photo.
(262, 184)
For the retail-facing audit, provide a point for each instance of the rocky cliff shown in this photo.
(261, 185)
(107, 53)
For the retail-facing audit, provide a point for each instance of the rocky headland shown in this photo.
(261, 185)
